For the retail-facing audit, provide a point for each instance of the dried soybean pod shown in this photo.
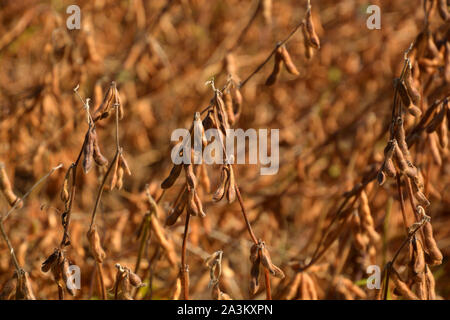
(88, 150)
(124, 164)
(438, 118)
(254, 253)
(447, 66)
(276, 68)
(237, 102)
(220, 192)
(419, 257)
(429, 278)
(50, 261)
(192, 208)
(6, 189)
(114, 176)
(434, 255)
(118, 103)
(204, 178)
(293, 288)
(198, 202)
(308, 49)
(389, 168)
(442, 133)
(381, 177)
(98, 156)
(266, 261)
(421, 198)
(231, 190)
(177, 210)
(173, 176)
(190, 176)
(66, 274)
(94, 241)
(208, 121)
(228, 100)
(254, 276)
(401, 88)
(411, 89)
(267, 11)
(135, 280)
(312, 35)
(290, 66)
(119, 182)
(443, 10)
(401, 287)
(310, 286)
(103, 110)
(432, 143)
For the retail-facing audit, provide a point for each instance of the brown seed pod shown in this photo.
(424, 202)
(293, 287)
(443, 10)
(221, 112)
(209, 122)
(94, 242)
(401, 140)
(6, 189)
(23, 288)
(290, 66)
(66, 275)
(231, 189)
(389, 168)
(433, 145)
(413, 93)
(119, 183)
(224, 178)
(65, 189)
(228, 100)
(124, 164)
(192, 208)
(191, 180)
(135, 280)
(402, 91)
(237, 102)
(414, 111)
(99, 159)
(177, 209)
(125, 288)
(88, 150)
(266, 261)
(8, 288)
(173, 176)
(381, 177)
(442, 133)
(401, 286)
(118, 104)
(447, 67)
(276, 68)
(204, 178)
(418, 260)
(115, 173)
(312, 35)
(198, 202)
(254, 276)
(434, 255)
(104, 109)
(438, 118)
(267, 11)
(429, 278)
(309, 52)
(50, 261)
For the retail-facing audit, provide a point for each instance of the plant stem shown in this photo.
(184, 266)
